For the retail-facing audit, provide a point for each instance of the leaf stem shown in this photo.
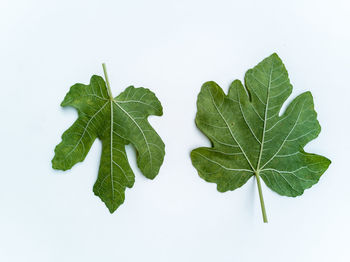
(107, 81)
(262, 204)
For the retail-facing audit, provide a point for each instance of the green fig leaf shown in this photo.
(250, 138)
(116, 122)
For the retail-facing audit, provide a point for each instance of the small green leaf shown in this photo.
(250, 138)
(116, 122)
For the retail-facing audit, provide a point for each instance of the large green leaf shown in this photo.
(250, 138)
(116, 122)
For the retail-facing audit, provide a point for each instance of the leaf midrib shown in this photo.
(265, 120)
(257, 169)
(111, 149)
(112, 100)
(143, 134)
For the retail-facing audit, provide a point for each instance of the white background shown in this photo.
(171, 47)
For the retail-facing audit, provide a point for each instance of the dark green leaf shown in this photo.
(116, 122)
(250, 138)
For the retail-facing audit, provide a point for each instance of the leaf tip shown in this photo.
(210, 84)
(220, 188)
(96, 77)
(111, 209)
(192, 155)
(57, 165)
(327, 163)
(274, 55)
(66, 101)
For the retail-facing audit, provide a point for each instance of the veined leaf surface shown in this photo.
(250, 138)
(116, 122)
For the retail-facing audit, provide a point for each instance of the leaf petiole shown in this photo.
(261, 197)
(107, 81)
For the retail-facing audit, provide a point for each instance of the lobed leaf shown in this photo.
(116, 122)
(250, 138)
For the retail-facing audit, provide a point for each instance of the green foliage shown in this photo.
(116, 122)
(250, 138)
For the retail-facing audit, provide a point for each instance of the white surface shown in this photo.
(171, 47)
